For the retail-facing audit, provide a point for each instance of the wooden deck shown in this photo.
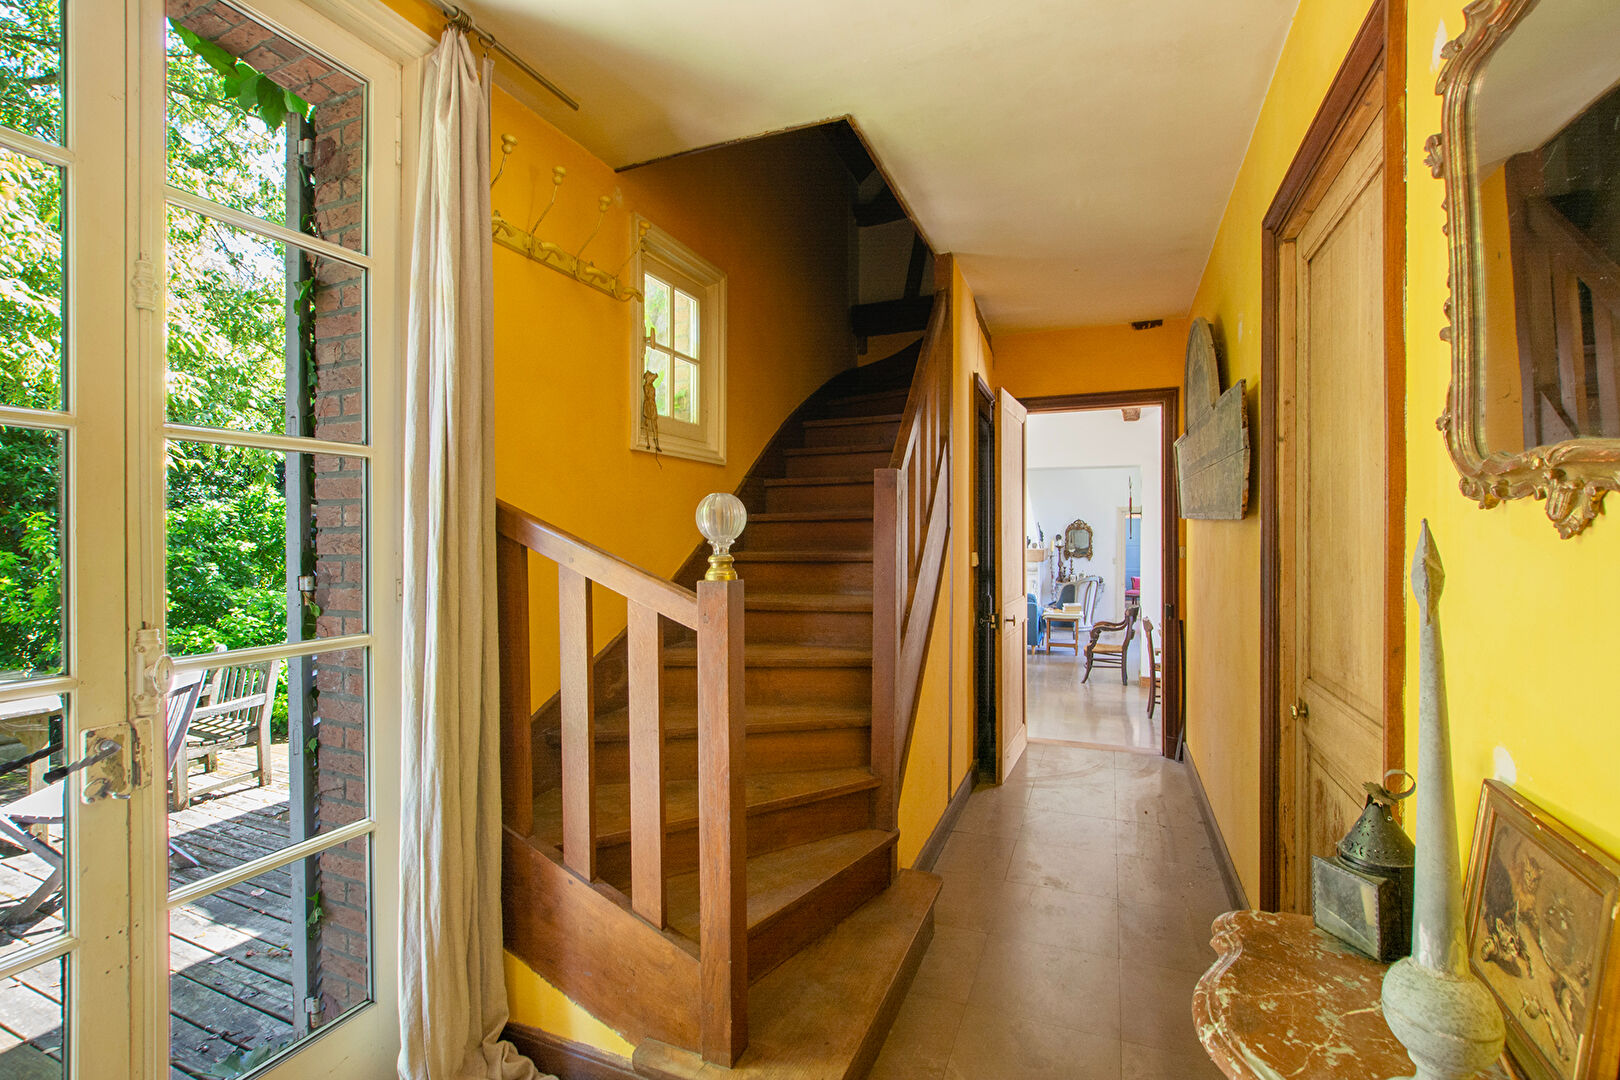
(231, 968)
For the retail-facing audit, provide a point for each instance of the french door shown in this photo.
(199, 541)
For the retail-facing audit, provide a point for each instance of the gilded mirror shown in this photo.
(1530, 150)
(1077, 540)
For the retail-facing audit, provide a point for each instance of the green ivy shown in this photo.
(249, 88)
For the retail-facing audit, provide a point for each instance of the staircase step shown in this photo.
(853, 430)
(875, 403)
(779, 674)
(784, 809)
(797, 894)
(838, 460)
(845, 530)
(823, 1015)
(788, 570)
(780, 656)
(788, 494)
(778, 738)
(809, 619)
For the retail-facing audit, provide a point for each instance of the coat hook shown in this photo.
(558, 175)
(508, 144)
(642, 229)
(602, 205)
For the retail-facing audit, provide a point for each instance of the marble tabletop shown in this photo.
(1283, 999)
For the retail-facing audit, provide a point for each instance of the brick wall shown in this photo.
(339, 949)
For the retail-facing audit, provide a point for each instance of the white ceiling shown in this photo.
(1076, 155)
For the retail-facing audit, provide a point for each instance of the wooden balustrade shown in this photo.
(910, 523)
(715, 613)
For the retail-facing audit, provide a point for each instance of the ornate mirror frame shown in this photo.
(1573, 475)
(1071, 551)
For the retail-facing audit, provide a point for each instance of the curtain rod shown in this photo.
(461, 18)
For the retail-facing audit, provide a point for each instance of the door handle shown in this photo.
(1299, 710)
(1012, 618)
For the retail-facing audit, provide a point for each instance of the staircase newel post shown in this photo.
(888, 570)
(722, 822)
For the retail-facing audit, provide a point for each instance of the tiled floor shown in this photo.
(1073, 924)
(1099, 711)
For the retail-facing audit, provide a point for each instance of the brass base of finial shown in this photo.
(720, 569)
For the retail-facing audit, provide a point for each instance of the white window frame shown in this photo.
(706, 440)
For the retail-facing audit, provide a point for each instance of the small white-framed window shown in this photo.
(679, 339)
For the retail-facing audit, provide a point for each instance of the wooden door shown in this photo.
(1012, 732)
(1333, 486)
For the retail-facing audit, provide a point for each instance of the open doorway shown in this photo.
(1101, 571)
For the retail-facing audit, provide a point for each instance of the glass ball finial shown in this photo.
(720, 518)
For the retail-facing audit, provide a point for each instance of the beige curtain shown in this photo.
(453, 996)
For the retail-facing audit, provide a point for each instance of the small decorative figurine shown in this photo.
(649, 410)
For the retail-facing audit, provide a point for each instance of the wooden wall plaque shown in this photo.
(1212, 458)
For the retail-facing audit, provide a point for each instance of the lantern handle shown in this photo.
(1399, 795)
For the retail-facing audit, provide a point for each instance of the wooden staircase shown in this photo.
(704, 818)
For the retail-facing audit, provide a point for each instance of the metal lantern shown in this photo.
(1363, 895)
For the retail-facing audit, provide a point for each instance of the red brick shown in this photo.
(242, 39)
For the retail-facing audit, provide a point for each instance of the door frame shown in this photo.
(1379, 48)
(1168, 399)
(983, 528)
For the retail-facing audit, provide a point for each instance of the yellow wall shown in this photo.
(1223, 557)
(1523, 613)
(941, 753)
(1091, 359)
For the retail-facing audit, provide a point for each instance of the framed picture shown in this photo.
(1542, 904)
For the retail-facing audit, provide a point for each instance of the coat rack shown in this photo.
(570, 263)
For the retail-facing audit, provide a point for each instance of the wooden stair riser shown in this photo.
(844, 463)
(795, 576)
(766, 752)
(850, 628)
(833, 534)
(768, 830)
(885, 403)
(843, 686)
(791, 498)
(817, 912)
(863, 433)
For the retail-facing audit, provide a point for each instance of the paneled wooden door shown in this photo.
(1333, 460)
(1012, 730)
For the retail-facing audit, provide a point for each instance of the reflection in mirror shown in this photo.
(1077, 540)
(1546, 191)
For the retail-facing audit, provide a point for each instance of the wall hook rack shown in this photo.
(572, 264)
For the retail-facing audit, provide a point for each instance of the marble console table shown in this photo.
(1284, 999)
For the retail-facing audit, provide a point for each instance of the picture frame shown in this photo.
(1542, 906)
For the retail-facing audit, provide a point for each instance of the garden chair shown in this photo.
(47, 806)
(233, 711)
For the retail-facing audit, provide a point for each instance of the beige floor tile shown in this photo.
(1070, 831)
(1070, 920)
(1093, 797)
(991, 1045)
(995, 812)
(1048, 984)
(949, 965)
(1165, 843)
(1153, 881)
(1156, 1008)
(919, 1043)
(1151, 1063)
(1168, 937)
(972, 902)
(976, 853)
(1076, 869)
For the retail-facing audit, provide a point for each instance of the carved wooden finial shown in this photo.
(1428, 576)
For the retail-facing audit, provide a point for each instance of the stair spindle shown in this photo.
(647, 809)
(578, 722)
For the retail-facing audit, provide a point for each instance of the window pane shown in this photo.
(32, 840)
(655, 309)
(230, 583)
(31, 68)
(235, 362)
(239, 95)
(686, 324)
(30, 282)
(312, 713)
(242, 960)
(684, 406)
(32, 1031)
(658, 364)
(31, 603)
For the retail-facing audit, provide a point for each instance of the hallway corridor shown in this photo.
(1100, 711)
(1072, 926)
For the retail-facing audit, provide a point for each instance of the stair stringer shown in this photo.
(584, 940)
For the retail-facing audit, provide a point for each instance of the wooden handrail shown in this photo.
(715, 612)
(910, 526)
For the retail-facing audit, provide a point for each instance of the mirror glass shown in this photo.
(1545, 183)
(1077, 541)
